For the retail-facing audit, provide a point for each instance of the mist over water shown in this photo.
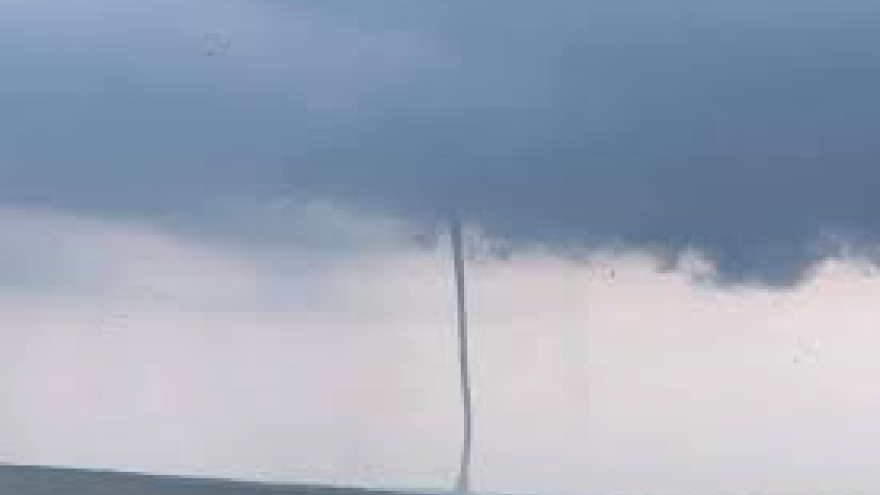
(607, 375)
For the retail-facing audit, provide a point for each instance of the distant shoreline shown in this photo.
(44, 480)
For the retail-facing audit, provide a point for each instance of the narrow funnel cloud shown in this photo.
(462, 484)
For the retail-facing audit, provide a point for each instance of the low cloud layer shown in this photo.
(744, 129)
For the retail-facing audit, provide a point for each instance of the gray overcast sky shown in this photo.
(746, 129)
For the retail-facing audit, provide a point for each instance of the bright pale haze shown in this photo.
(221, 226)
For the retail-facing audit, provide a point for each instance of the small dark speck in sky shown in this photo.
(806, 352)
(217, 44)
(115, 323)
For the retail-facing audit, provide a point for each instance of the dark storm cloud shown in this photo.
(747, 129)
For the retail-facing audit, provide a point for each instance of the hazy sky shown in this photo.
(219, 225)
(137, 349)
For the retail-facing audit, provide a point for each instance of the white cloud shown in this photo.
(604, 377)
